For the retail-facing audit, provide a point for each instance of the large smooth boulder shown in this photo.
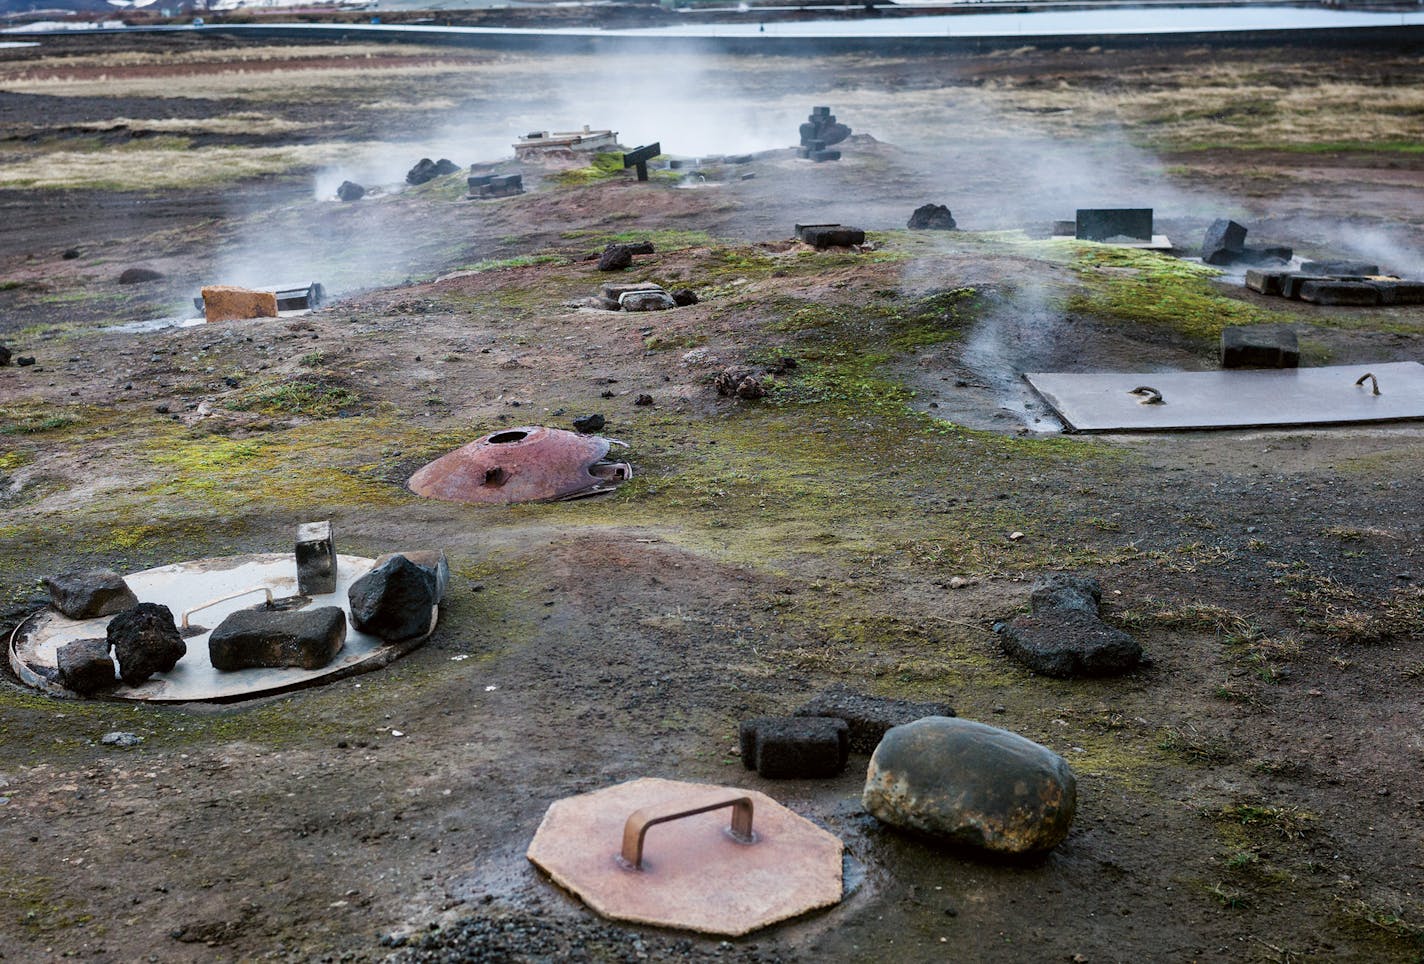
(87, 593)
(971, 785)
(1066, 642)
(145, 641)
(302, 638)
(395, 601)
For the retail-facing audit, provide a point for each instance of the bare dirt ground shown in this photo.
(1252, 794)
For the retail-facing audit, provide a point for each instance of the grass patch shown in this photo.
(315, 395)
(38, 418)
(1155, 289)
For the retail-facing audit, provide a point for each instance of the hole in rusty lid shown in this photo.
(504, 438)
(495, 476)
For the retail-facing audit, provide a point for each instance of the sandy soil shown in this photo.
(1251, 794)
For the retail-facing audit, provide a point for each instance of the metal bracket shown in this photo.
(631, 856)
(183, 623)
(1374, 382)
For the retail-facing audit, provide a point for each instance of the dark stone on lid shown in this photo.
(303, 638)
(395, 601)
(145, 641)
(85, 594)
(316, 559)
(85, 666)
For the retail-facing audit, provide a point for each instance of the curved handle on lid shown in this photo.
(642, 819)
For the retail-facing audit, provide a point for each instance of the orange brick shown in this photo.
(228, 303)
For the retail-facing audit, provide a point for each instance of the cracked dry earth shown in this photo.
(1251, 794)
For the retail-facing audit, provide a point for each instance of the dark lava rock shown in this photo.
(641, 247)
(932, 217)
(794, 747)
(427, 170)
(4, 356)
(1068, 643)
(1224, 242)
(615, 257)
(86, 593)
(972, 785)
(70, 254)
(643, 401)
(395, 601)
(588, 424)
(350, 191)
(869, 717)
(304, 638)
(432, 561)
(25, 361)
(683, 297)
(1063, 590)
(85, 666)
(146, 641)
(135, 276)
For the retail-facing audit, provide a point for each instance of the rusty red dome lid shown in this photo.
(527, 464)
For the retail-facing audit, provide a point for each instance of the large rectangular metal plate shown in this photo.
(1233, 399)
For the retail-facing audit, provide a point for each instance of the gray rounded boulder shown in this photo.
(972, 785)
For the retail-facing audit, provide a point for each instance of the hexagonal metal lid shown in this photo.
(677, 854)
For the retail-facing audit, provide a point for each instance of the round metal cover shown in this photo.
(526, 464)
(185, 585)
(696, 874)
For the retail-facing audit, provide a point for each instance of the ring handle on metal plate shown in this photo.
(1147, 395)
(183, 624)
(642, 819)
(1374, 382)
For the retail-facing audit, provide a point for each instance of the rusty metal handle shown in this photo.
(183, 624)
(1147, 395)
(1374, 382)
(640, 820)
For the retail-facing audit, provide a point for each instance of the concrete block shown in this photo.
(1354, 293)
(1107, 224)
(795, 747)
(1291, 285)
(1259, 346)
(1359, 268)
(1266, 282)
(821, 156)
(1400, 292)
(316, 559)
(833, 236)
(229, 303)
(867, 718)
(1224, 242)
